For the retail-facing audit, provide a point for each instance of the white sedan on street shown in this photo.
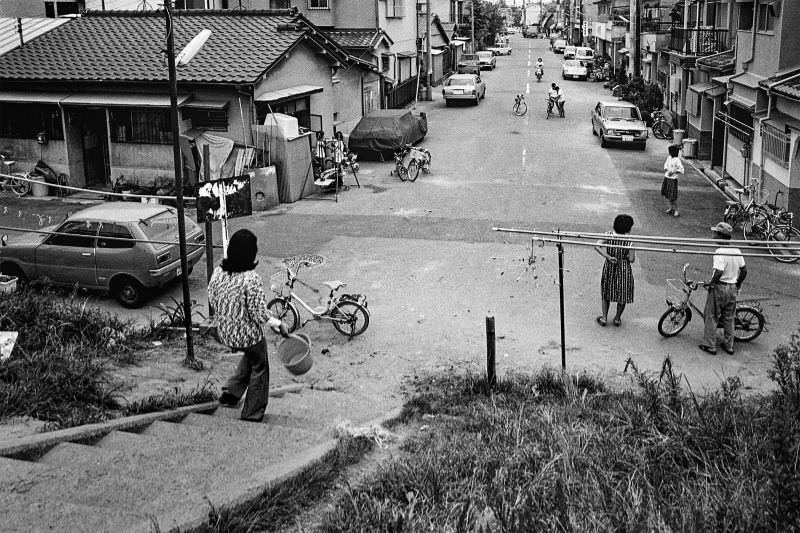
(468, 87)
(486, 59)
(574, 69)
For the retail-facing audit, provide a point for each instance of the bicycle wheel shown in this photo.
(748, 323)
(673, 321)
(783, 242)
(284, 310)
(754, 226)
(521, 109)
(657, 130)
(426, 162)
(732, 213)
(413, 170)
(402, 171)
(350, 318)
(665, 129)
(20, 187)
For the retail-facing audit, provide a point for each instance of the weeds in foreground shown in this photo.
(171, 400)
(276, 508)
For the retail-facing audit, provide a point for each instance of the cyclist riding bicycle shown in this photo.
(556, 97)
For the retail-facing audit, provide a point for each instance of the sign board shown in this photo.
(224, 198)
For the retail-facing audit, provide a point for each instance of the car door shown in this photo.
(69, 257)
(114, 256)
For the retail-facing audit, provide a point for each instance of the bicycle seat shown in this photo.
(333, 285)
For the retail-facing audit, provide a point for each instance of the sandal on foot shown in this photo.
(602, 321)
(617, 322)
(707, 349)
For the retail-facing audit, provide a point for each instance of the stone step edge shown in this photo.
(193, 516)
(43, 441)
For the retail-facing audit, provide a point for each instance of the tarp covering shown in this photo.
(387, 130)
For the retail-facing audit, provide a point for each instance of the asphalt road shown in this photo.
(427, 257)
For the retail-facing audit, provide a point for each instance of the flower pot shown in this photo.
(8, 284)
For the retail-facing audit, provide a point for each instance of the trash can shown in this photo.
(690, 148)
(678, 136)
(39, 186)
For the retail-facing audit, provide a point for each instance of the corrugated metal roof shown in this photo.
(31, 28)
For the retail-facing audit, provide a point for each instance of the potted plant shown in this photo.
(8, 283)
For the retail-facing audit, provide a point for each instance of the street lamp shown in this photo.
(186, 55)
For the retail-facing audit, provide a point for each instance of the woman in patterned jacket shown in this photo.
(236, 294)
(616, 283)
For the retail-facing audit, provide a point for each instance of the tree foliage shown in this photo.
(648, 97)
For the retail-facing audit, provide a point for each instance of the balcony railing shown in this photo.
(656, 26)
(700, 42)
(777, 144)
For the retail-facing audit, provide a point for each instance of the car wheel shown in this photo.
(593, 131)
(12, 269)
(603, 142)
(477, 100)
(129, 292)
(643, 147)
(447, 103)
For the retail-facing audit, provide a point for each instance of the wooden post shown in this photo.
(491, 375)
(561, 304)
(209, 224)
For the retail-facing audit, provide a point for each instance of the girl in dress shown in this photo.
(669, 188)
(616, 283)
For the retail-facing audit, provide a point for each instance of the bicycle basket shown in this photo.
(358, 298)
(786, 217)
(676, 292)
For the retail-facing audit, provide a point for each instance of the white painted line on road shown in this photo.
(527, 88)
(524, 151)
(529, 73)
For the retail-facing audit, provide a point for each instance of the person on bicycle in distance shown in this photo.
(557, 96)
(729, 272)
(552, 94)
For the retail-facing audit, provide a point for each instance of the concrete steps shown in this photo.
(132, 474)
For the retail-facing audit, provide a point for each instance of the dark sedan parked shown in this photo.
(90, 249)
(382, 132)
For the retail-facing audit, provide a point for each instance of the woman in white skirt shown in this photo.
(669, 188)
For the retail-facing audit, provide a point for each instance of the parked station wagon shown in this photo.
(619, 122)
(90, 249)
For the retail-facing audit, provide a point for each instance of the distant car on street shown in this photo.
(468, 87)
(469, 64)
(512, 30)
(619, 122)
(86, 250)
(530, 32)
(584, 53)
(574, 69)
(569, 52)
(486, 59)
(500, 50)
(559, 45)
(382, 132)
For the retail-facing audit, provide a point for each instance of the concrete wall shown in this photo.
(21, 8)
(348, 96)
(26, 152)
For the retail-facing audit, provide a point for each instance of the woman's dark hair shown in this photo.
(339, 135)
(623, 223)
(242, 249)
(673, 150)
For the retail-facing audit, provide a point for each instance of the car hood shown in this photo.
(624, 124)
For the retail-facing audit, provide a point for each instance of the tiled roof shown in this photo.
(789, 90)
(722, 61)
(124, 5)
(355, 37)
(126, 46)
(31, 27)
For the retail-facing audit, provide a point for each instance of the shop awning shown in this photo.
(436, 52)
(741, 102)
(458, 42)
(32, 97)
(122, 99)
(407, 53)
(207, 104)
(708, 88)
(701, 87)
(289, 92)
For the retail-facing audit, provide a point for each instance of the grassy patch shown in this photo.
(545, 453)
(171, 400)
(276, 508)
(57, 371)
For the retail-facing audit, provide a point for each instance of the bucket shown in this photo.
(39, 186)
(678, 136)
(8, 284)
(689, 148)
(295, 353)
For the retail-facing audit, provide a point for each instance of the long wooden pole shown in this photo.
(176, 153)
(491, 375)
(561, 304)
(209, 224)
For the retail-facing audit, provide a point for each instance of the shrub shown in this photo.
(648, 97)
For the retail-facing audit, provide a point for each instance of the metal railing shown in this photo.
(776, 144)
(402, 94)
(698, 42)
(656, 26)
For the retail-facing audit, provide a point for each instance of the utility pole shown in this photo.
(472, 22)
(580, 31)
(428, 64)
(178, 161)
(636, 23)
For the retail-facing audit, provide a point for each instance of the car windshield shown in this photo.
(459, 81)
(484, 55)
(469, 57)
(585, 52)
(572, 63)
(621, 112)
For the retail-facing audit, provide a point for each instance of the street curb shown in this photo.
(194, 516)
(41, 442)
(714, 179)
